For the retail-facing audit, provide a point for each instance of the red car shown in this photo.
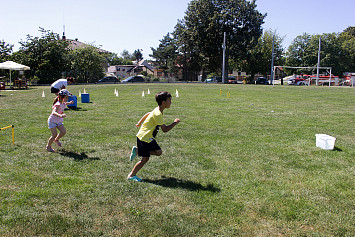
(232, 80)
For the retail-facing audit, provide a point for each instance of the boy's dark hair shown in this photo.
(162, 96)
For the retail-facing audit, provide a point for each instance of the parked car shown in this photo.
(298, 82)
(232, 80)
(133, 79)
(108, 79)
(214, 79)
(262, 80)
(303, 83)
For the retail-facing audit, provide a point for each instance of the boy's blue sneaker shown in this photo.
(133, 153)
(135, 178)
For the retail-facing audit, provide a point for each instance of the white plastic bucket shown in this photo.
(325, 141)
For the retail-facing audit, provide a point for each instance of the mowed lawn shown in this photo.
(246, 165)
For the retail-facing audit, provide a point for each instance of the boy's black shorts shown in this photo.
(144, 148)
(54, 90)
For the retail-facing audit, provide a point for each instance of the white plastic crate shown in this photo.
(325, 141)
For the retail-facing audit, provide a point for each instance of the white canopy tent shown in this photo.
(10, 65)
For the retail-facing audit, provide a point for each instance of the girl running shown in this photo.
(55, 120)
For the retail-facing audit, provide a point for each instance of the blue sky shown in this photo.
(116, 25)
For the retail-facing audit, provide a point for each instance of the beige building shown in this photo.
(124, 71)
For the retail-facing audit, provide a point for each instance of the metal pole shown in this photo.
(272, 61)
(273, 78)
(330, 77)
(10, 78)
(13, 135)
(224, 59)
(318, 65)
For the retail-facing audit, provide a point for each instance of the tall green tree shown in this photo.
(47, 56)
(350, 30)
(189, 59)
(258, 59)
(347, 40)
(6, 50)
(165, 54)
(138, 56)
(303, 52)
(87, 64)
(5, 54)
(299, 53)
(114, 59)
(331, 52)
(127, 55)
(202, 29)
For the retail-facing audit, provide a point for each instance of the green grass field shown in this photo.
(247, 165)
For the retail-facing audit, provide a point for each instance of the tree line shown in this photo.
(51, 58)
(196, 43)
(195, 46)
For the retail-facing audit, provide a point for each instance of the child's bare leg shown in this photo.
(156, 152)
(51, 139)
(142, 162)
(62, 132)
(138, 166)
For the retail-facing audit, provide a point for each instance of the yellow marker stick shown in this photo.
(13, 135)
(13, 132)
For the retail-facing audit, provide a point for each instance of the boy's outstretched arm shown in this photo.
(167, 128)
(142, 119)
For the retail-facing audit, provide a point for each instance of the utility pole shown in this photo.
(318, 65)
(224, 60)
(272, 61)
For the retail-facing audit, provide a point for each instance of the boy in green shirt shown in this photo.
(146, 143)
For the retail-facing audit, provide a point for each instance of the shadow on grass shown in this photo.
(77, 108)
(171, 182)
(337, 149)
(77, 156)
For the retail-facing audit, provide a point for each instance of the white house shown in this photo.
(122, 71)
(129, 70)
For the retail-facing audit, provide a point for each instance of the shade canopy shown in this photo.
(10, 65)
